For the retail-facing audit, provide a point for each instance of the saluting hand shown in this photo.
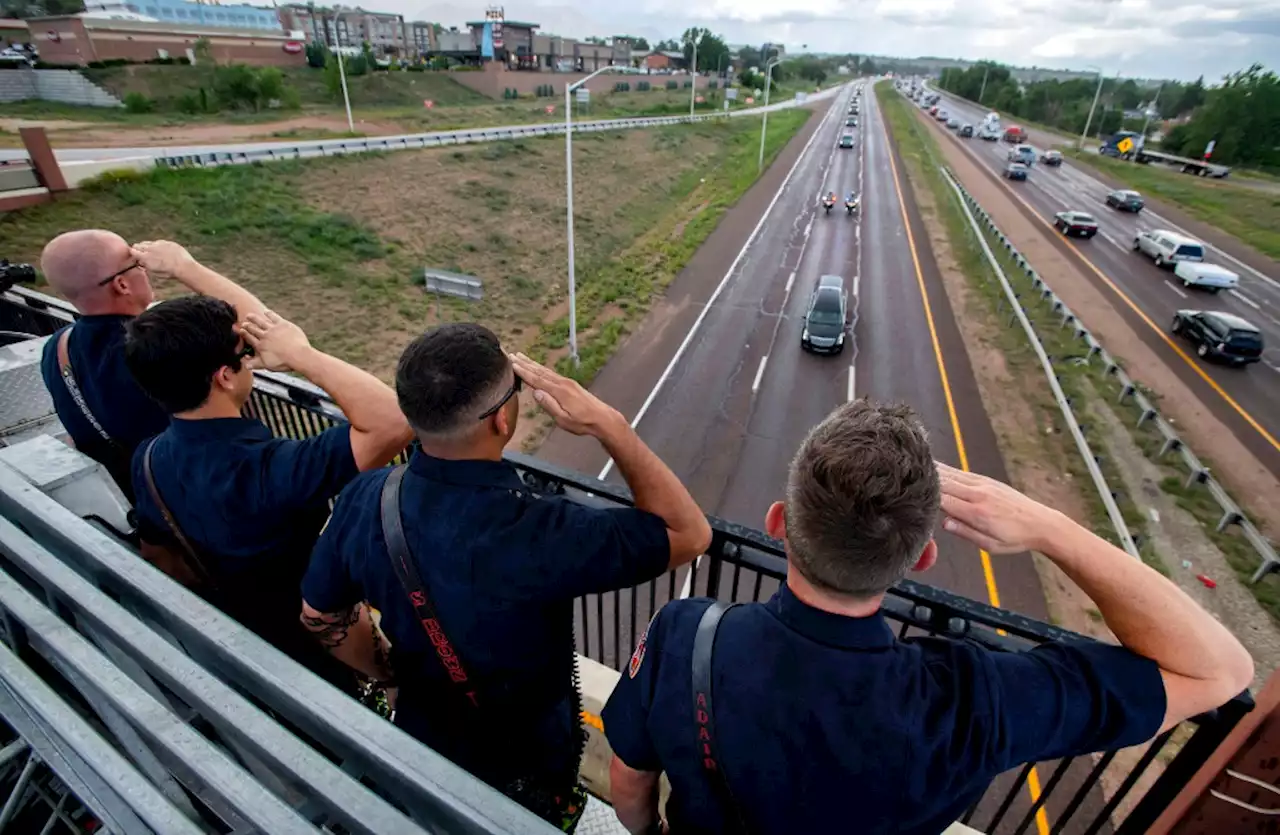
(280, 345)
(574, 409)
(163, 259)
(993, 515)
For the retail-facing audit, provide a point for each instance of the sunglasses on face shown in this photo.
(511, 392)
(104, 282)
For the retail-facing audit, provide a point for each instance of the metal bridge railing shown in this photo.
(744, 565)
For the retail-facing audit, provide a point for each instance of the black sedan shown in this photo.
(1126, 200)
(846, 141)
(1219, 336)
(1052, 158)
(966, 131)
(1076, 223)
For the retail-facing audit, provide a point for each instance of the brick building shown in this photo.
(81, 39)
(345, 26)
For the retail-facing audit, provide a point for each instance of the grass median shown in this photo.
(339, 244)
(1090, 392)
(1249, 212)
(1052, 441)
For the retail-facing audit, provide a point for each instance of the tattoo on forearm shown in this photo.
(331, 629)
(381, 656)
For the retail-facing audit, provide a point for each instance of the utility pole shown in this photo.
(1089, 121)
(986, 72)
(1151, 111)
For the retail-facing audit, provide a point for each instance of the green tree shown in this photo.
(810, 69)
(712, 51)
(1243, 117)
(639, 44)
(317, 54)
(39, 8)
(669, 45)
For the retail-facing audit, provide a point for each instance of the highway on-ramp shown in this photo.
(1246, 399)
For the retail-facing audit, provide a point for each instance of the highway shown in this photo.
(1247, 399)
(729, 411)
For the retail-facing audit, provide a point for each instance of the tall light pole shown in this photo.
(568, 168)
(693, 93)
(346, 99)
(1089, 121)
(764, 122)
(986, 72)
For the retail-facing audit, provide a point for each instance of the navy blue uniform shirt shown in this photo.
(96, 351)
(252, 505)
(827, 723)
(502, 566)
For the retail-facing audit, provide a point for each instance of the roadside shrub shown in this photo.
(135, 102)
(253, 88)
(643, 86)
(688, 85)
(622, 87)
(711, 85)
(317, 55)
(189, 103)
(164, 62)
(184, 61)
(672, 84)
(416, 68)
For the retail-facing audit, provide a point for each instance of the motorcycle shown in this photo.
(827, 203)
(851, 206)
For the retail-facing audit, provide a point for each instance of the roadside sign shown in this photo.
(731, 94)
(428, 103)
(800, 96)
(1208, 149)
(584, 95)
(1125, 145)
(551, 108)
(750, 100)
(699, 99)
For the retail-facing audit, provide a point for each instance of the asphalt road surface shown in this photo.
(1247, 399)
(728, 413)
(717, 384)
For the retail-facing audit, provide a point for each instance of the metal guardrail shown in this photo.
(1064, 403)
(742, 564)
(220, 724)
(1197, 472)
(337, 147)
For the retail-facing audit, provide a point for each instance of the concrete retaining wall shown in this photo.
(80, 170)
(66, 86)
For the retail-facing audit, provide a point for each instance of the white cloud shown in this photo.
(1165, 38)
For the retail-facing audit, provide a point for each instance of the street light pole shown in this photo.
(764, 122)
(986, 72)
(693, 93)
(346, 99)
(568, 168)
(1089, 121)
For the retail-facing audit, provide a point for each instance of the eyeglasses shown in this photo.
(240, 354)
(104, 282)
(511, 392)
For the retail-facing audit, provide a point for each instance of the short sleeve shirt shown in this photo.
(818, 714)
(96, 352)
(251, 504)
(502, 566)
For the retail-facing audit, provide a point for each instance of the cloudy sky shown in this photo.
(1149, 38)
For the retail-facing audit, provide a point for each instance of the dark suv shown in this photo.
(825, 320)
(1220, 336)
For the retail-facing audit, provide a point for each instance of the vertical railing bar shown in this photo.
(1008, 800)
(1058, 774)
(1089, 782)
(1105, 815)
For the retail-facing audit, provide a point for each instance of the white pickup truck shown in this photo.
(1209, 276)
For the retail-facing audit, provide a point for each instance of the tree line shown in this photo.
(1242, 114)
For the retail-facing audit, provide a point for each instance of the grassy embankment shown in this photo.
(382, 97)
(339, 244)
(1082, 383)
(921, 155)
(1249, 212)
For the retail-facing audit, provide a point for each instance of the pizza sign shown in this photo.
(293, 47)
(53, 36)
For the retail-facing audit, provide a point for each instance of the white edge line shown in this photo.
(1242, 297)
(697, 323)
(791, 279)
(1174, 288)
(755, 385)
(853, 373)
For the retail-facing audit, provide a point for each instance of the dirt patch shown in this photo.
(1236, 467)
(70, 134)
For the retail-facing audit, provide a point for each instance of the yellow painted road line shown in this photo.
(993, 593)
(1177, 349)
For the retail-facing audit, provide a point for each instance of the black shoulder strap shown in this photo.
(73, 386)
(188, 550)
(407, 571)
(704, 717)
